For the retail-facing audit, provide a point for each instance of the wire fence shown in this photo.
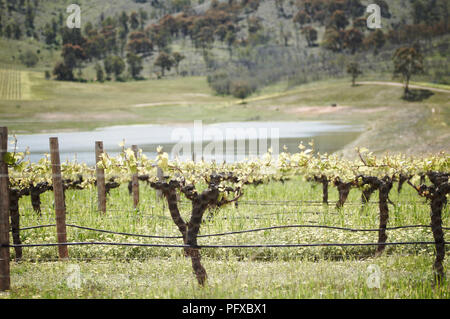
(236, 232)
(223, 246)
(225, 234)
(142, 212)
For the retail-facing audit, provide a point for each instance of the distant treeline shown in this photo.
(257, 56)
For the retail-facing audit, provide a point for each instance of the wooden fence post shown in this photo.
(5, 281)
(135, 180)
(58, 191)
(100, 173)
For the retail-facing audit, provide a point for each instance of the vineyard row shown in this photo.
(212, 185)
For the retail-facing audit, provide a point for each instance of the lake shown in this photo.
(222, 141)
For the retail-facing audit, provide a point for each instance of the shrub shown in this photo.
(29, 58)
(241, 89)
(220, 82)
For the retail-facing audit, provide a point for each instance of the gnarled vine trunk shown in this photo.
(436, 227)
(441, 188)
(200, 203)
(14, 196)
(344, 190)
(367, 194)
(384, 189)
(36, 201)
(189, 230)
(402, 179)
(324, 181)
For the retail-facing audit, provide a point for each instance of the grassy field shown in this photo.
(317, 272)
(48, 105)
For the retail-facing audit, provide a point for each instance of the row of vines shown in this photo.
(10, 84)
(212, 185)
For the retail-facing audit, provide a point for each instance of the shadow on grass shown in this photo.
(417, 95)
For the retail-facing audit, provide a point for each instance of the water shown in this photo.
(244, 136)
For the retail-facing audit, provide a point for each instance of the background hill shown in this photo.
(267, 40)
(187, 59)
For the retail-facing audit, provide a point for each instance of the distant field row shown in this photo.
(14, 84)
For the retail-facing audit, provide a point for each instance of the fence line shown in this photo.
(236, 232)
(222, 246)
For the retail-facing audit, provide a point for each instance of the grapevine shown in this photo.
(209, 185)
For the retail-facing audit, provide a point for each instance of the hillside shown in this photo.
(181, 60)
(266, 32)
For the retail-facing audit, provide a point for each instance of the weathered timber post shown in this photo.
(5, 281)
(58, 191)
(100, 174)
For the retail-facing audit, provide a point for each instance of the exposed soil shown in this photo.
(85, 116)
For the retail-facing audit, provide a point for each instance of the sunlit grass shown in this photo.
(147, 272)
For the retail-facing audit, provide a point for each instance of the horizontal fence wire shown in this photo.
(237, 232)
(343, 255)
(308, 203)
(223, 246)
(146, 258)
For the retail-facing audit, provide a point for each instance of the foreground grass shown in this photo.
(401, 277)
(317, 272)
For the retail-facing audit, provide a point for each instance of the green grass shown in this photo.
(318, 272)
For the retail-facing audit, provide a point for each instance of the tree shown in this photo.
(310, 35)
(17, 31)
(108, 65)
(158, 36)
(354, 8)
(140, 44)
(73, 55)
(177, 58)
(143, 17)
(376, 40)
(385, 8)
(338, 20)
(354, 70)
(114, 64)
(49, 34)
(408, 62)
(134, 65)
(123, 20)
(204, 38)
(353, 39)
(134, 20)
(29, 17)
(285, 35)
(360, 24)
(230, 40)
(164, 61)
(9, 31)
(221, 32)
(332, 40)
(100, 73)
(63, 72)
(254, 25)
(118, 66)
(302, 18)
